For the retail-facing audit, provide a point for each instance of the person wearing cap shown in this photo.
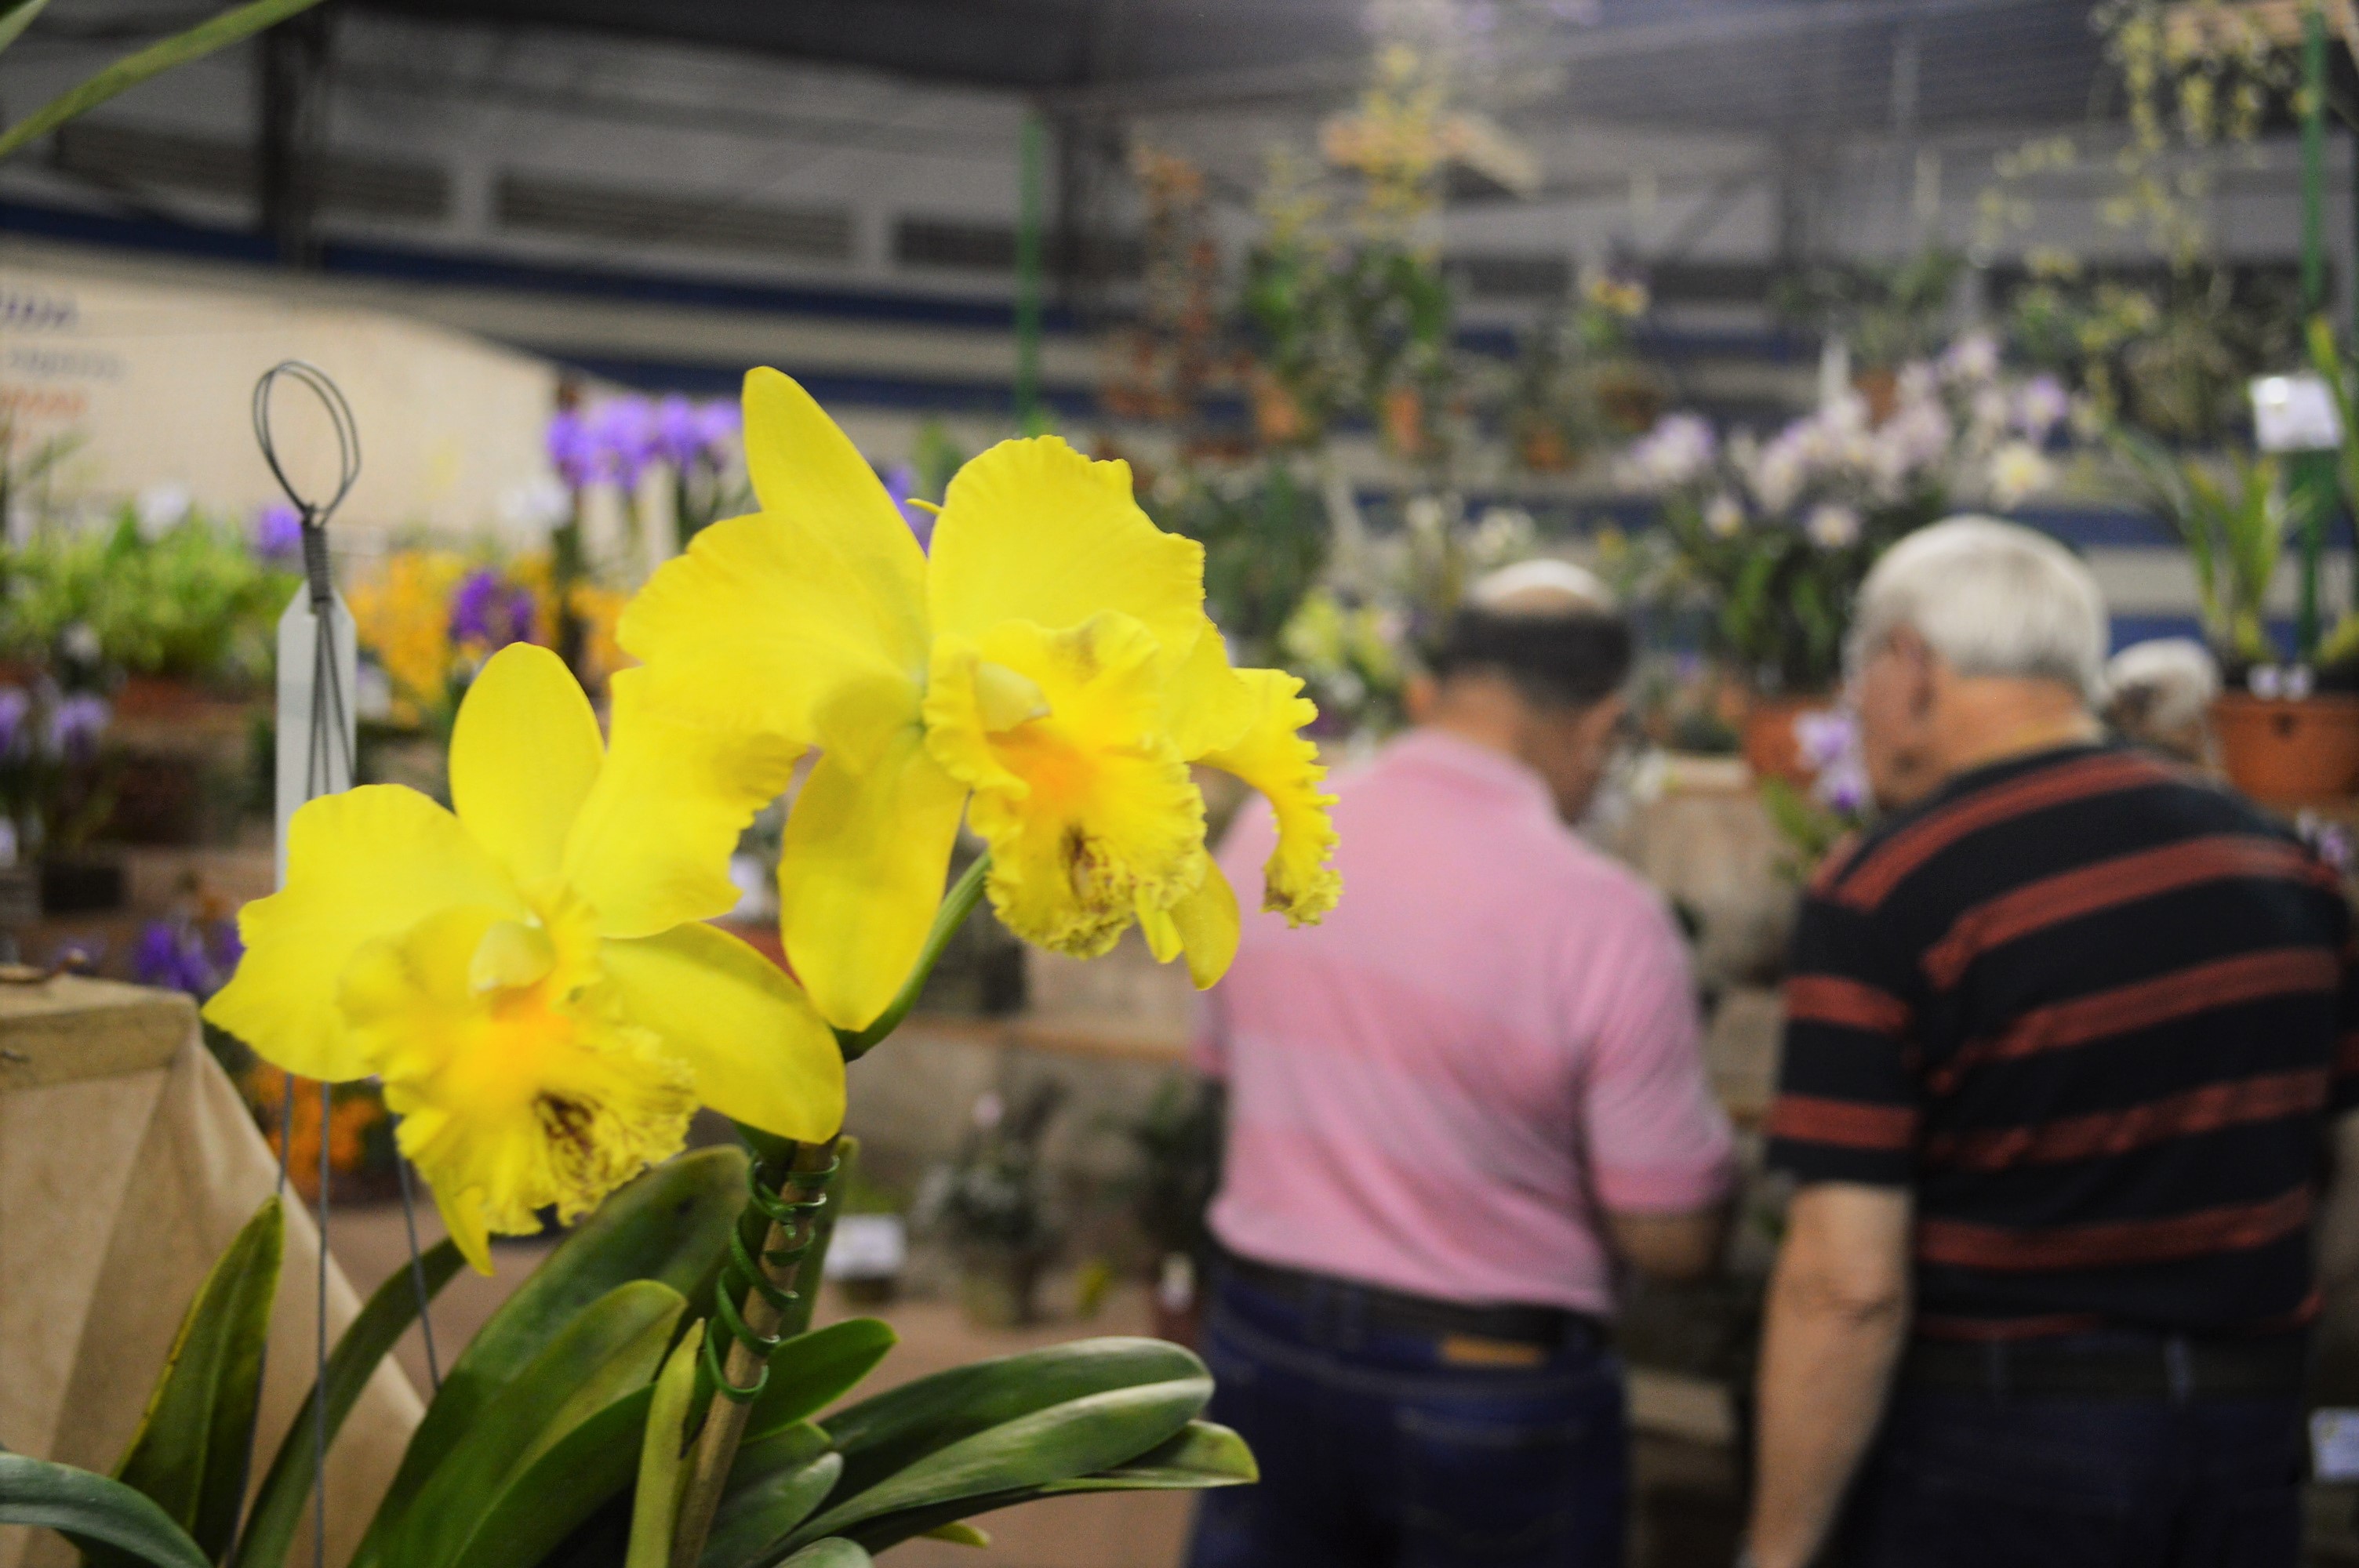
(2071, 1095)
(1457, 1109)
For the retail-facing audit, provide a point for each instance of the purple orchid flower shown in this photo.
(623, 430)
(277, 531)
(901, 483)
(487, 609)
(75, 724)
(571, 450)
(16, 703)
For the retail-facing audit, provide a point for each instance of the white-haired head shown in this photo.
(1989, 599)
(1541, 586)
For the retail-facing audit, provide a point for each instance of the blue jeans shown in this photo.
(1976, 1480)
(1377, 1452)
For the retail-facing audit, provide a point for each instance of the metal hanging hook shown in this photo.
(313, 513)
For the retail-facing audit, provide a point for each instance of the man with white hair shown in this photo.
(1456, 1109)
(2065, 1038)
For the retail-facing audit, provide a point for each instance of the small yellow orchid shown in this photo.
(1051, 662)
(528, 975)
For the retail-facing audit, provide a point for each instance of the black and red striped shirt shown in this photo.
(2096, 1014)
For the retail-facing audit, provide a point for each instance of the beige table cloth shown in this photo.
(128, 1162)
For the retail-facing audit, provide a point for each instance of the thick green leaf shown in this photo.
(91, 1509)
(958, 1532)
(833, 1554)
(214, 33)
(669, 1225)
(19, 16)
(278, 1505)
(190, 1452)
(580, 1473)
(753, 1520)
(811, 1371)
(788, 1448)
(611, 1349)
(881, 1435)
(1073, 1438)
(1204, 1453)
(655, 1502)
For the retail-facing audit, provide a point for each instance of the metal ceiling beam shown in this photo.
(1024, 44)
(1746, 26)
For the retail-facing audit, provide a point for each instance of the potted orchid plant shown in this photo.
(1773, 537)
(530, 974)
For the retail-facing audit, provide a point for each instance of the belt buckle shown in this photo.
(1480, 1350)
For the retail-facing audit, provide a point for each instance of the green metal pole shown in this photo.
(2315, 472)
(1034, 156)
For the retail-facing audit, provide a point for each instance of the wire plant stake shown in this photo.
(317, 668)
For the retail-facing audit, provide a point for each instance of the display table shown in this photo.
(128, 1162)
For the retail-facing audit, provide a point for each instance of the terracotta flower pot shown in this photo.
(1771, 748)
(2289, 750)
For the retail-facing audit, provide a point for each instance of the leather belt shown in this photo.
(2177, 1367)
(1403, 1312)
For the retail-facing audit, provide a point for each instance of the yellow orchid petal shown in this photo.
(765, 616)
(1300, 880)
(1031, 530)
(651, 846)
(861, 874)
(512, 1098)
(1207, 926)
(1203, 925)
(523, 756)
(1089, 810)
(1206, 704)
(760, 1053)
(362, 866)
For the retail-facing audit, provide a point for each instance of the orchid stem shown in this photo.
(782, 1258)
(956, 906)
(805, 1170)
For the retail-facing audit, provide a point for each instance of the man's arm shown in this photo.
(1672, 1247)
(1838, 1312)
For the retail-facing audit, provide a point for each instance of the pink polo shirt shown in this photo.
(1492, 1038)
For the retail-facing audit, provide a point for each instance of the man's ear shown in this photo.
(1924, 670)
(1601, 719)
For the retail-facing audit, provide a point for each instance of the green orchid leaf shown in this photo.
(1204, 1453)
(668, 1226)
(188, 1454)
(958, 1532)
(882, 1435)
(610, 1349)
(811, 1371)
(1075, 1437)
(655, 1504)
(93, 1510)
(217, 32)
(831, 1553)
(754, 1520)
(278, 1504)
(788, 1448)
(16, 18)
(582, 1472)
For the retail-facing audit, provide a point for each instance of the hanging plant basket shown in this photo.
(2289, 750)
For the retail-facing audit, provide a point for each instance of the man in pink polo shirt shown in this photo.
(1455, 1108)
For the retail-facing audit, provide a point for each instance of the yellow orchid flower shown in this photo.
(528, 975)
(1051, 662)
